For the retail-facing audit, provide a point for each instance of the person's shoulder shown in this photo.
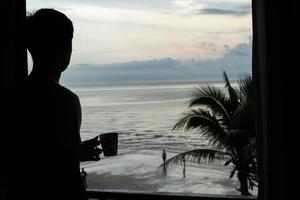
(67, 93)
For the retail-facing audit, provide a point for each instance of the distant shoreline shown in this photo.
(134, 83)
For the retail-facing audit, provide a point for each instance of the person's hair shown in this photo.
(47, 30)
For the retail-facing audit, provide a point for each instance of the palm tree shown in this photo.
(225, 119)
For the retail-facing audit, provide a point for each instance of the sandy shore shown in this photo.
(207, 184)
(120, 182)
(139, 172)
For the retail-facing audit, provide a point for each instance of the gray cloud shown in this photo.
(240, 50)
(246, 6)
(236, 61)
(221, 7)
(218, 11)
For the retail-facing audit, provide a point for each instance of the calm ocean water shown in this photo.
(143, 115)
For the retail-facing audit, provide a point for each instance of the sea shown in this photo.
(143, 115)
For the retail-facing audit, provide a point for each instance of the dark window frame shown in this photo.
(274, 36)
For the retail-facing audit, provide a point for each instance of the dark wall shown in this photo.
(13, 53)
(274, 62)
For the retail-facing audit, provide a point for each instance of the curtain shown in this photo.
(13, 67)
(274, 62)
(13, 57)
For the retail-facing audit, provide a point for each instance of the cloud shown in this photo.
(241, 50)
(236, 61)
(213, 7)
(218, 11)
(116, 31)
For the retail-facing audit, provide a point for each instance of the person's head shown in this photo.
(49, 40)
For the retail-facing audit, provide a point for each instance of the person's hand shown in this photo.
(89, 150)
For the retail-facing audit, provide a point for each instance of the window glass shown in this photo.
(135, 66)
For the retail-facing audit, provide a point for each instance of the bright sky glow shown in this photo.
(118, 31)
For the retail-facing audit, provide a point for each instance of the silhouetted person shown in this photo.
(83, 176)
(43, 152)
(89, 150)
(164, 155)
(183, 172)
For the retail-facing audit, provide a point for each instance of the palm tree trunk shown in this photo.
(242, 176)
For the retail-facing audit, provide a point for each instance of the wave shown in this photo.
(142, 87)
(96, 103)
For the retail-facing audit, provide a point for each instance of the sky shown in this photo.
(123, 40)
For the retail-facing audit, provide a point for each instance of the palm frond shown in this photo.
(232, 173)
(207, 123)
(243, 117)
(228, 162)
(211, 97)
(233, 93)
(205, 156)
(246, 87)
(238, 138)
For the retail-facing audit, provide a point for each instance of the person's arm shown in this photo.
(88, 148)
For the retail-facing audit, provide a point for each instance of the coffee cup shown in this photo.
(109, 143)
